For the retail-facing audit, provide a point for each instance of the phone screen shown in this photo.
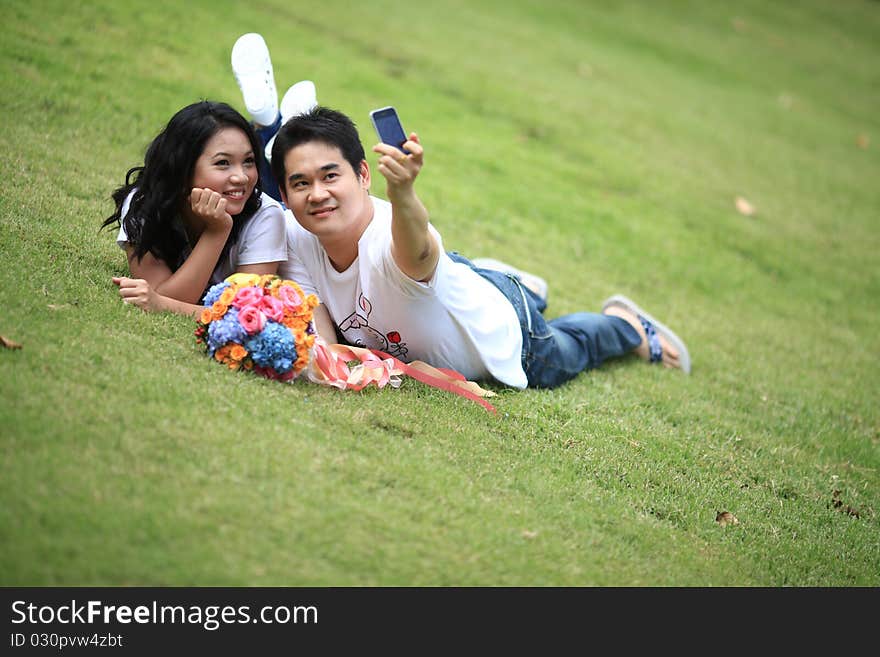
(388, 127)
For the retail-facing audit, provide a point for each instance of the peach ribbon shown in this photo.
(329, 365)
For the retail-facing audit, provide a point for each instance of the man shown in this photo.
(386, 282)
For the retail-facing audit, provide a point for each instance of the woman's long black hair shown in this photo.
(162, 184)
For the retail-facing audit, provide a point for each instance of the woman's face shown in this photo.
(228, 166)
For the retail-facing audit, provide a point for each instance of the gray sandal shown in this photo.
(653, 329)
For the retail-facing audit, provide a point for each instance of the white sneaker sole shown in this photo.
(252, 68)
(300, 99)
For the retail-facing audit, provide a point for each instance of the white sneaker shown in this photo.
(252, 68)
(300, 99)
(532, 281)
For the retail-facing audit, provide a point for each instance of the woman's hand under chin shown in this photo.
(210, 207)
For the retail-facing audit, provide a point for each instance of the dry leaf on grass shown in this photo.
(529, 534)
(863, 141)
(744, 207)
(9, 344)
(838, 504)
(58, 306)
(725, 518)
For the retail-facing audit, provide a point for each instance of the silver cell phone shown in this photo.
(388, 127)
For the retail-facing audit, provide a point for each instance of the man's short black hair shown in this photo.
(321, 124)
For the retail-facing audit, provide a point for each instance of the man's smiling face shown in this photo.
(327, 197)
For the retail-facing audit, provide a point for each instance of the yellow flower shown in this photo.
(244, 279)
(227, 296)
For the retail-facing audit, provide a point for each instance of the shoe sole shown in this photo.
(684, 357)
(300, 98)
(250, 58)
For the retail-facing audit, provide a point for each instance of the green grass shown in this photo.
(600, 147)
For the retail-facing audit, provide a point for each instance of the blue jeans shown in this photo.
(557, 350)
(267, 180)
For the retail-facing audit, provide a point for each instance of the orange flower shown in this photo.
(218, 310)
(299, 335)
(206, 316)
(238, 353)
(294, 322)
(222, 354)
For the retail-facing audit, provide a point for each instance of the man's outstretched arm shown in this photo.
(413, 248)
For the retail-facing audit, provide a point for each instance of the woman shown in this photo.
(195, 212)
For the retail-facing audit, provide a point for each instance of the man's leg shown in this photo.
(562, 348)
(532, 281)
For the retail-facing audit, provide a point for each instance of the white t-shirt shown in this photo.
(457, 320)
(262, 239)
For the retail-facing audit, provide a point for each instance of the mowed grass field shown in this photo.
(603, 148)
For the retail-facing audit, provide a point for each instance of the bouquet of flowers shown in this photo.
(258, 323)
(264, 324)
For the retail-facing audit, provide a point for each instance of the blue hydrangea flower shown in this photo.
(214, 293)
(224, 330)
(273, 347)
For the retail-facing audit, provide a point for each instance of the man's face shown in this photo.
(325, 194)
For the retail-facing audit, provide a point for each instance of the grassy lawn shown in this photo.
(602, 148)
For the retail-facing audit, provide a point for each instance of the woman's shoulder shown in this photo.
(267, 201)
(269, 210)
(264, 230)
(126, 204)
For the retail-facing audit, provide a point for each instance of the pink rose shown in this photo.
(251, 319)
(272, 307)
(247, 296)
(289, 297)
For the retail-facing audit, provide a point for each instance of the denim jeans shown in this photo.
(267, 180)
(557, 350)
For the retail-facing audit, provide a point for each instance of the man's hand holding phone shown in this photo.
(413, 247)
(401, 158)
(400, 169)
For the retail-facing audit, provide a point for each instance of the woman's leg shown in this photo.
(264, 134)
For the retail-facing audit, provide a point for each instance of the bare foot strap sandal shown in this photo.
(654, 330)
(654, 347)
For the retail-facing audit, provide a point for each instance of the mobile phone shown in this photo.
(388, 127)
